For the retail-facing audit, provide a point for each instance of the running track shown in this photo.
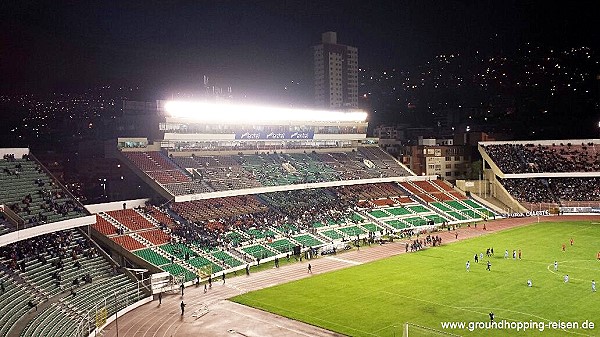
(225, 318)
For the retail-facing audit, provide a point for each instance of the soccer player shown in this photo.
(593, 286)
(476, 258)
(481, 256)
(564, 247)
(567, 278)
(571, 241)
(488, 266)
(519, 254)
(598, 256)
(529, 284)
(506, 254)
(555, 265)
(514, 254)
(468, 266)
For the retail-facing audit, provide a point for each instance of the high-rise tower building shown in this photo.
(336, 73)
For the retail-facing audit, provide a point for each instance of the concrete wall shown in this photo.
(269, 189)
(116, 205)
(45, 229)
(18, 152)
(500, 193)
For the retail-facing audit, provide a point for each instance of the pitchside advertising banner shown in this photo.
(580, 209)
(525, 215)
(275, 135)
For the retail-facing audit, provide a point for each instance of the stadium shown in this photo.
(300, 214)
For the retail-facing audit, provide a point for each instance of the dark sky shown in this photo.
(257, 45)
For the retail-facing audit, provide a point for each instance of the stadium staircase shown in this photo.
(520, 155)
(447, 202)
(309, 239)
(550, 192)
(257, 250)
(377, 222)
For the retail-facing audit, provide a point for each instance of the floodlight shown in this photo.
(211, 112)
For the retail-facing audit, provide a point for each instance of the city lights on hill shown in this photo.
(211, 112)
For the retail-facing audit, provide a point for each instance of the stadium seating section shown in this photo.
(33, 195)
(63, 274)
(536, 158)
(567, 157)
(201, 174)
(553, 190)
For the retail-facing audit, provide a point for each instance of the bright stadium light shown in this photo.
(211, 112)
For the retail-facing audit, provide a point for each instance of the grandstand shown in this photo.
(249, 189)
(551, 174)
(55, 279)
(203, 154)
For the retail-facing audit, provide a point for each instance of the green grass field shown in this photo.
(432, 286)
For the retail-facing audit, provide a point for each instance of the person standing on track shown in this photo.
(182, 305)
(309, 268)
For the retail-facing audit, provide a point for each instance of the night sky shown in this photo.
(258, 46)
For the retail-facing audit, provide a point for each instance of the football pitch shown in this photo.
(431, 287)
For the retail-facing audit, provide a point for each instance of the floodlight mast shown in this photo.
(211, 112)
